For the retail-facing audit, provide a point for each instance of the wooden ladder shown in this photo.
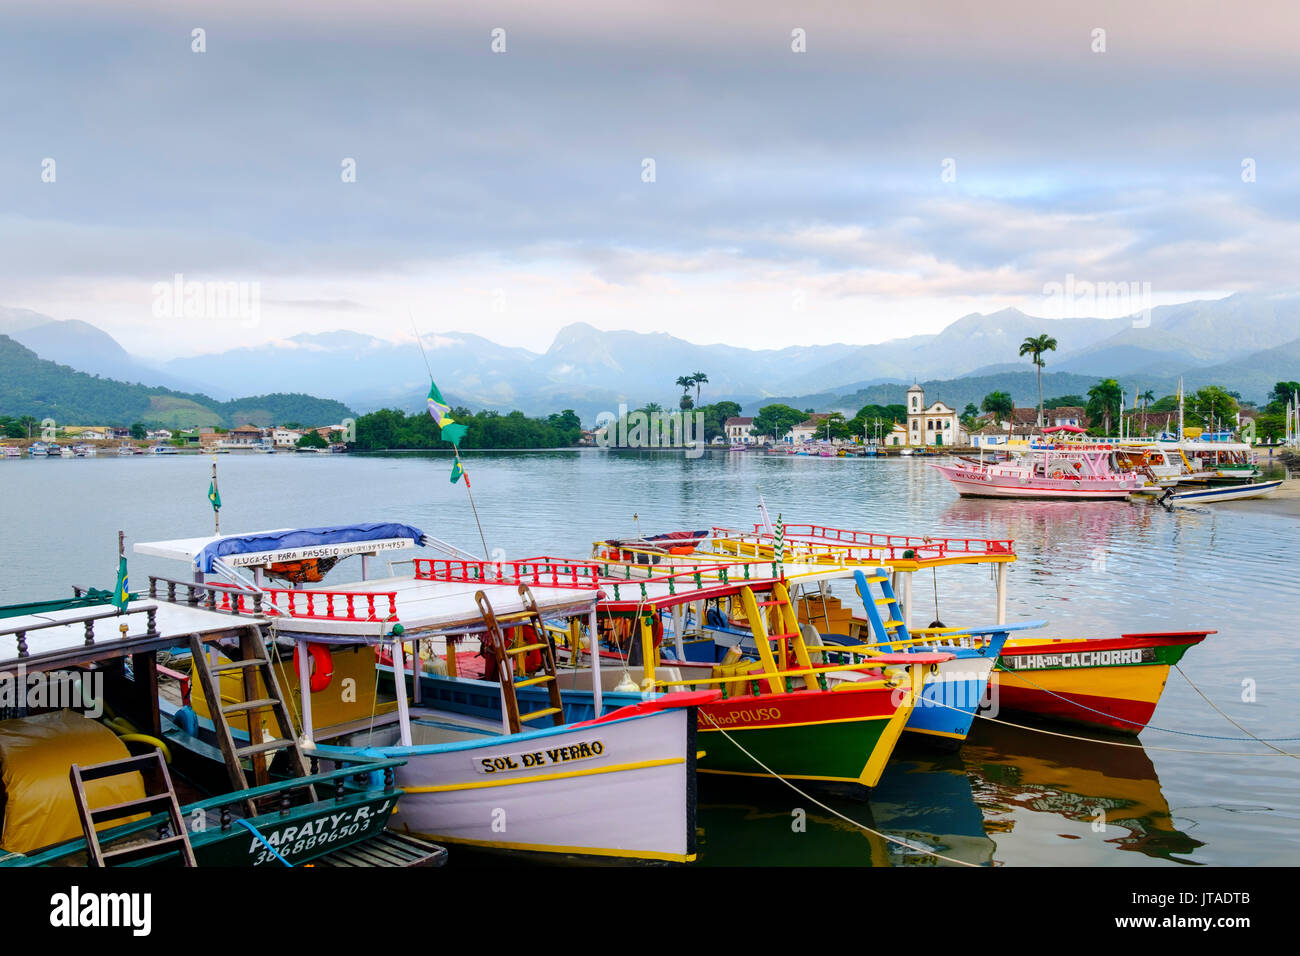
(530, 619)
(883, 629)
(159, 795)
(253, 660)
(785, 633)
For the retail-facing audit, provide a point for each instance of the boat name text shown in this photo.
(1030, 662)
(540, 758)
(758, 715)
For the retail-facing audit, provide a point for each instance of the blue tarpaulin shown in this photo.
(303, 538)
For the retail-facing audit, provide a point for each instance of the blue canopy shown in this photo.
(304, 538)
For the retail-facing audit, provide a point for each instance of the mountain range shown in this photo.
(1244, 342)
(30, 385)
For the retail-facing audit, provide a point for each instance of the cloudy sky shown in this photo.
(912, 166)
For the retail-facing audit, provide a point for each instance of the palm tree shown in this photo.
(700, 378)
(1000, 405)
(1146, 398)
(684, 382)
(1036, 345)
(1103, 402)
(28, 423)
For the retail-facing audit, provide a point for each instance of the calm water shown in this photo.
(1011, 797)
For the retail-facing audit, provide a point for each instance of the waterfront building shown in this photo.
(738, 430)
(933, 424)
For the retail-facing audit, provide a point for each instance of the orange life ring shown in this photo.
(322, 665)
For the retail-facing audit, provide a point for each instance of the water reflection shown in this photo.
(925, 802)
(1014, 771)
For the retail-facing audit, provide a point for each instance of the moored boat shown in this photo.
(1110, 684)
(1071, 475)
(1104, 683)
(781, 713)
(1184, 497)
(474, 771)
(92, 777)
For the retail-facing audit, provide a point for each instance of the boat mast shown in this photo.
(1180, 409)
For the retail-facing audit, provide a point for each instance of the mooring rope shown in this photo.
(266, 843)
(1109, 743)
(812, 799)
(1233, 722)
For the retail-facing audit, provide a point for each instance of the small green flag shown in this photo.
(122, 594)
(457, 472)
(214, 495)
(454, 432)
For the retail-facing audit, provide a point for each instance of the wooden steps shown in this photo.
(254, 662)
(160, 795)
(507, 657)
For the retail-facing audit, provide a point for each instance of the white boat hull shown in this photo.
(1212, 495)
(549, 791)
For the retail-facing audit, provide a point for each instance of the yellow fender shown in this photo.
(146, 739)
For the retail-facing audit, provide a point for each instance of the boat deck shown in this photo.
(58, 638)
(424, 608)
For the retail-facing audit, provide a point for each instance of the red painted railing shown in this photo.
(537, 572)
(332, 605)
(626, 589)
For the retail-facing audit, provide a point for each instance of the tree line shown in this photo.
(391, 429)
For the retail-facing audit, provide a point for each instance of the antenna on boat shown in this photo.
(454, 447)
(762, 509)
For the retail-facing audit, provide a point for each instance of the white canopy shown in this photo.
(187, 549)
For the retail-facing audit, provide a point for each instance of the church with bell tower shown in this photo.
(934, 424)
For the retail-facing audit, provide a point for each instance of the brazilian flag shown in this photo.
(457, 472)
(214, 495)
(448, 428)
(122, 594)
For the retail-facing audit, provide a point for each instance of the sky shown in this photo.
(908, 167)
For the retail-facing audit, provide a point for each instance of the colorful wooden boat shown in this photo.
(780, 712)
(949, 702)
(957, 687)
(1123, 698)
(1111, 684)
(76, 764)
(475, 770)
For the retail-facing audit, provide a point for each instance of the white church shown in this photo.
(934, 424)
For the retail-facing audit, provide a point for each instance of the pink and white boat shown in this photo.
(1073, 474)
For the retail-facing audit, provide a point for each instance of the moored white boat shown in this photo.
(606, 781)
(1215, 494)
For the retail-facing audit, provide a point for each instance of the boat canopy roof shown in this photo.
(286, 544)
(424, 607)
